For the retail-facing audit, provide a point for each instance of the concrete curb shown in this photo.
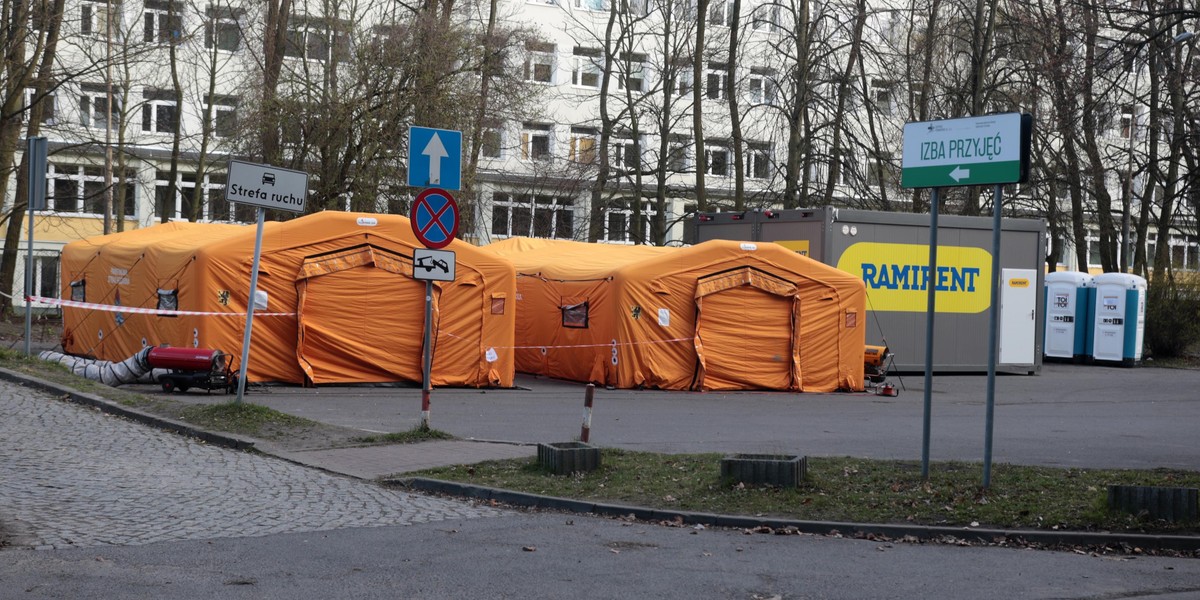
(225, 440)
(1177, 543)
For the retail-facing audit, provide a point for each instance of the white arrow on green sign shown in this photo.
(967, 151)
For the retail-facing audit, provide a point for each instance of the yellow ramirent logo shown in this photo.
(897, 276)
(1018, 282)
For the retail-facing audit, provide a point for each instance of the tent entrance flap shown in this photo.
(358, 318)
(740, 305)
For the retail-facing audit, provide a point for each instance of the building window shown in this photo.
(625, 155)
(583, 145)
(587, 69)
(844, 167)
(720, 12)
(94, 109)
(79, 189)
(679, 156)
(763, 89)
(183, 205)
(758, 161)
(162, 23)
(538, 216)
(47, 105)
(637, 8)
(881, 96)
(716, 85)
(682, 86)
(492, 145)
(597, 5)
(223, 115)
(221, 29)
(97, 19)
(535, 141)
(618, 223)
(1093, 250)
(45, 276)
(633, 72)
(159, 111)
(765, 17)
(539, 62)
(1127, 122)
(716, 159)
(880, 164)
(310, 40)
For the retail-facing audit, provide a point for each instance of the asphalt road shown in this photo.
(122, 511)
(1070, 415)
(564, 556)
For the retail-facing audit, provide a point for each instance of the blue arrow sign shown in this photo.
(434, 158)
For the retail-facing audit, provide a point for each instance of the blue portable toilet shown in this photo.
(1118, 318)
(1068, 303)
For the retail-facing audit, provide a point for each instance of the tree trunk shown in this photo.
(699, 62)
(919, 205)
(599, 187)
(19, 74)
(735, 120)
(274, 44)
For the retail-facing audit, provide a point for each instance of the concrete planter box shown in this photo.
(564, 458)
(1162, 503)
(783, 470)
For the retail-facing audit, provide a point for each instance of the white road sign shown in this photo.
(266, 186)
(965, 151)
(433, 265)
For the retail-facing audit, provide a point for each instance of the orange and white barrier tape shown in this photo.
(148, 311)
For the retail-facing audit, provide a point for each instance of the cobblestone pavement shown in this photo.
(71, 476)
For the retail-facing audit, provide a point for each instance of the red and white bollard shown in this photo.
(587, 412)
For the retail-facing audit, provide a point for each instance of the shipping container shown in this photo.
(890, 251)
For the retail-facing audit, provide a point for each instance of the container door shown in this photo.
(1139, 309)
(1061, 299)
(1018, 316)
(1109, 337)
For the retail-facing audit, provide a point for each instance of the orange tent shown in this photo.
(716, 316)
(342, 304)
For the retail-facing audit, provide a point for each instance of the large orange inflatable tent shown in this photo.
(716, 316)
(342, 304)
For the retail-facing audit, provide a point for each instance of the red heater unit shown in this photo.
(193, 368)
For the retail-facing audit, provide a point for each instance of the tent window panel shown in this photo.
(575, 316)
(168, 300)
(498, 304)
(79, 290)
(851, 319)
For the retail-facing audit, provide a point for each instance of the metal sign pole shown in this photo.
(35, 155)
(993, 326)
(243, 366)
(427, 358)
(931, 287)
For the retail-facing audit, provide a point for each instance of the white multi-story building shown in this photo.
(351, 74)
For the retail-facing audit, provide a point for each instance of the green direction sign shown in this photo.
(967, 151)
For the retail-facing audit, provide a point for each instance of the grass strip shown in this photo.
(849, 489)
(242, 417)
(412, 436)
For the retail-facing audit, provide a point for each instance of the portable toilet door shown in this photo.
(1119, 318)
(1067, 303)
